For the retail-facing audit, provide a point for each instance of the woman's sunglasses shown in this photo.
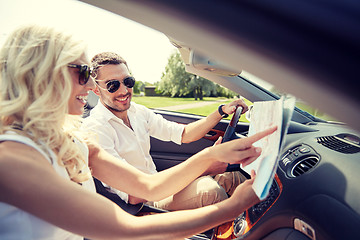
(84, 72)
(113, 85)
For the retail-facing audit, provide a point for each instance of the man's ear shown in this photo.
(96, 91)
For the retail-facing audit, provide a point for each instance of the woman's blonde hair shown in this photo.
(35, 86)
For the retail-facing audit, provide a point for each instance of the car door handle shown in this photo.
(213, 134)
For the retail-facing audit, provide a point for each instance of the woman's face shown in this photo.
(79, 92)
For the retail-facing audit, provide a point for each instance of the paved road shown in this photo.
(190, 105)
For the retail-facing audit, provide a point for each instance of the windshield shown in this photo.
(301, 105)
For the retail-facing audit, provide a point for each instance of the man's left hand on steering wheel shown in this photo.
(230, 108)
(237, 107)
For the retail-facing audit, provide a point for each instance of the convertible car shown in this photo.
(310, 49)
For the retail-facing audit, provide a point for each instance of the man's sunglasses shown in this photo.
(113, 85)
(84, 72)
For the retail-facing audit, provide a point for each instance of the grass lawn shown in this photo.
(206, 110)
(314, 112)
(156, 102)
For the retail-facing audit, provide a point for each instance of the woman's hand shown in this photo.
(244, 193)
(239, 151)
(217, 167)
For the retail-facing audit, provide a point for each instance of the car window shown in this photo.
(302, 105)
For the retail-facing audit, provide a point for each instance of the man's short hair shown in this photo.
(105, 58)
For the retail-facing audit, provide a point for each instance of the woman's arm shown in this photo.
(28, 181)
(165, 183)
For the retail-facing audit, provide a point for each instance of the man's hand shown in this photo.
(230, 107)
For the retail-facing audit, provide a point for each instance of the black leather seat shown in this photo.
(129, 208)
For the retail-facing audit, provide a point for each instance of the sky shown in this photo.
(145, 50)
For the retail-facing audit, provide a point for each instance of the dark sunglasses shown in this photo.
(84, 72)
(113, 85)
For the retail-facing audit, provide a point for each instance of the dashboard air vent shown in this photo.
(304, 165)
(339, 143)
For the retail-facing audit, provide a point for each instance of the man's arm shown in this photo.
(196, 130)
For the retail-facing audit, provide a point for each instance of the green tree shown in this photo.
(139, 87)
(224, 92)
(201, 87)
(176, 82)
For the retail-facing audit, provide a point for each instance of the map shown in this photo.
(263, 116)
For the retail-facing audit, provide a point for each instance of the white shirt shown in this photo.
(131, 146)
(18, 224)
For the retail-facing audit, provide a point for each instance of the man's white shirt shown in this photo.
(131, 146)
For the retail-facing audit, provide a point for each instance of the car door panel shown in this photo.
(168, 154)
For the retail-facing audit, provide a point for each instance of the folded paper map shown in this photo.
(263, 116)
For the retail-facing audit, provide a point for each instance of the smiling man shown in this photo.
(123, 128)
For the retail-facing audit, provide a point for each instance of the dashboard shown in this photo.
(315, 190)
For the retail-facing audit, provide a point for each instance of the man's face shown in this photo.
(118, 101)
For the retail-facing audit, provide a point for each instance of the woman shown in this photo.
(45, 181)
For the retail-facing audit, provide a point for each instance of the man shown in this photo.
(124, 128)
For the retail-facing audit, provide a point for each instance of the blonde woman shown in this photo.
(46, 189)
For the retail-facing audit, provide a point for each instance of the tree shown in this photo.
(201, 87)
(176, 82)
(139, 87)
(224, 92)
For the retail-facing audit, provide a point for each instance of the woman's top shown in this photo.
(18, 224)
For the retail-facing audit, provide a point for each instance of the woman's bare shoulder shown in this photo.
(16, 153)
(21, 169)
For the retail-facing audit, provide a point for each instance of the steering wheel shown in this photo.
(230, 130)
(231, 135)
